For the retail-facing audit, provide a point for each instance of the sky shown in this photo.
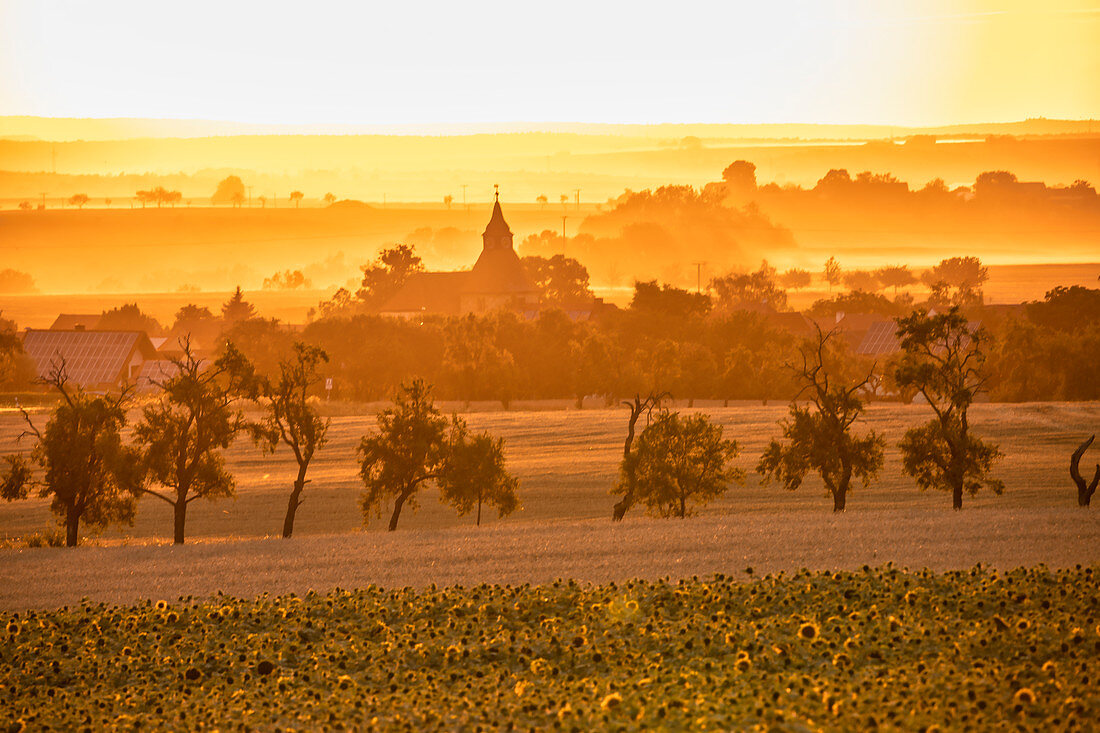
(931, 62)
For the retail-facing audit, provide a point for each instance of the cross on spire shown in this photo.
(496, 192)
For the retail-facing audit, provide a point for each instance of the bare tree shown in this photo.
(1084, 491)
(638, 406)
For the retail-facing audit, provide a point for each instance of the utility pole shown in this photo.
(698, 276)
(464, 198)
(577, 194)
(563, 236)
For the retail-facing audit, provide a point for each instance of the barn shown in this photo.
(93, 359)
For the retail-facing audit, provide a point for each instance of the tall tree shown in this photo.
(680, 460)
(296, 197)
(230, 191)
(291, 419)
(473, 473)
(819, 436)
(943, 359)
(183, 433)
(88, 473)
(833, 273)
(385, 276)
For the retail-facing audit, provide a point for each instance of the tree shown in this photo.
(448, 200)
(562, 281)
(819, 436)
(291, 419)
(740, 179)
(26, 205)
(329, 199)
(943, 359)
(832, 272)
(564, 198)
(680, 460)
(541, 200)
(1084, 490)
(406, 453)
(90, 475)
(956, 281)
(230, 191)
(128, 317)
(895, 276)
(473, 473)
(197, 324)
(263, 201)
(296, 197)
(388, 273)
(145, 197)
(78, 200)
(862, 281)
(237, 309)
(795, 279)
(627, 485)
(181, 435)
(736, 292)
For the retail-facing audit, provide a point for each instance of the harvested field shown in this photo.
(566, 461)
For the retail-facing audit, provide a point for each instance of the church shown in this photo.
(497, 280)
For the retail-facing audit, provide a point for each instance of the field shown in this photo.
(875, 648)
(566, 461)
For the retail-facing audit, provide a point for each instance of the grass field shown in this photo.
(566, 461)
(877, 648)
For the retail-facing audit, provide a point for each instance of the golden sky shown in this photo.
(831, 61)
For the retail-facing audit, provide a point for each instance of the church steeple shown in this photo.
(497, 235)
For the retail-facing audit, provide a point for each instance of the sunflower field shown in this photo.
(976, 649)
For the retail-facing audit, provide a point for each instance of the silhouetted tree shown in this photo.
(736, 292)
(291, 419)
(182, 434)
(956, 281)
(128, 317)
(561, 280)
(329, 199)
(740, 178)
(677, 461)
(943, 359)
(388, 273)
(88, 473)
(296, 197)
(1084, 490)
(230, 190)
(863, 281)
(795, 279)
(472, 473)
(78, 200)
(541, 200)
(832, 272)
(237, 309)
(448, 200)
(895, 276)
(197, 324)
(819, 436)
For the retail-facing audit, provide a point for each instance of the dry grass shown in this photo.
(566, 461)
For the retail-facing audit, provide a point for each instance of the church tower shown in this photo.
(498, 279)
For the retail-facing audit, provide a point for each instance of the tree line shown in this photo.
(675, 463)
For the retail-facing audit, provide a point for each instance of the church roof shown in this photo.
(429, 292)
(499, 271)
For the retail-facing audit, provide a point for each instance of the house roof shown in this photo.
(429, 292)
(70, 321)
(91, 358)
(881, 338)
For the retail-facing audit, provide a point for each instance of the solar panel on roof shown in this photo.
(90, 357)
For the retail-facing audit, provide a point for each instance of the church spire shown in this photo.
(497, 234)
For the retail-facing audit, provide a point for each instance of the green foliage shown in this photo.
(845, 651)
(182, 434)
(679, 460)
(406, 452)
(819, 436)
(291, 418)
(928, 455)
(87, 472)
(415, 445)
(472, 473)
(944, 360)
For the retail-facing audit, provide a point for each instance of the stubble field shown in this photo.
(566, 461)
